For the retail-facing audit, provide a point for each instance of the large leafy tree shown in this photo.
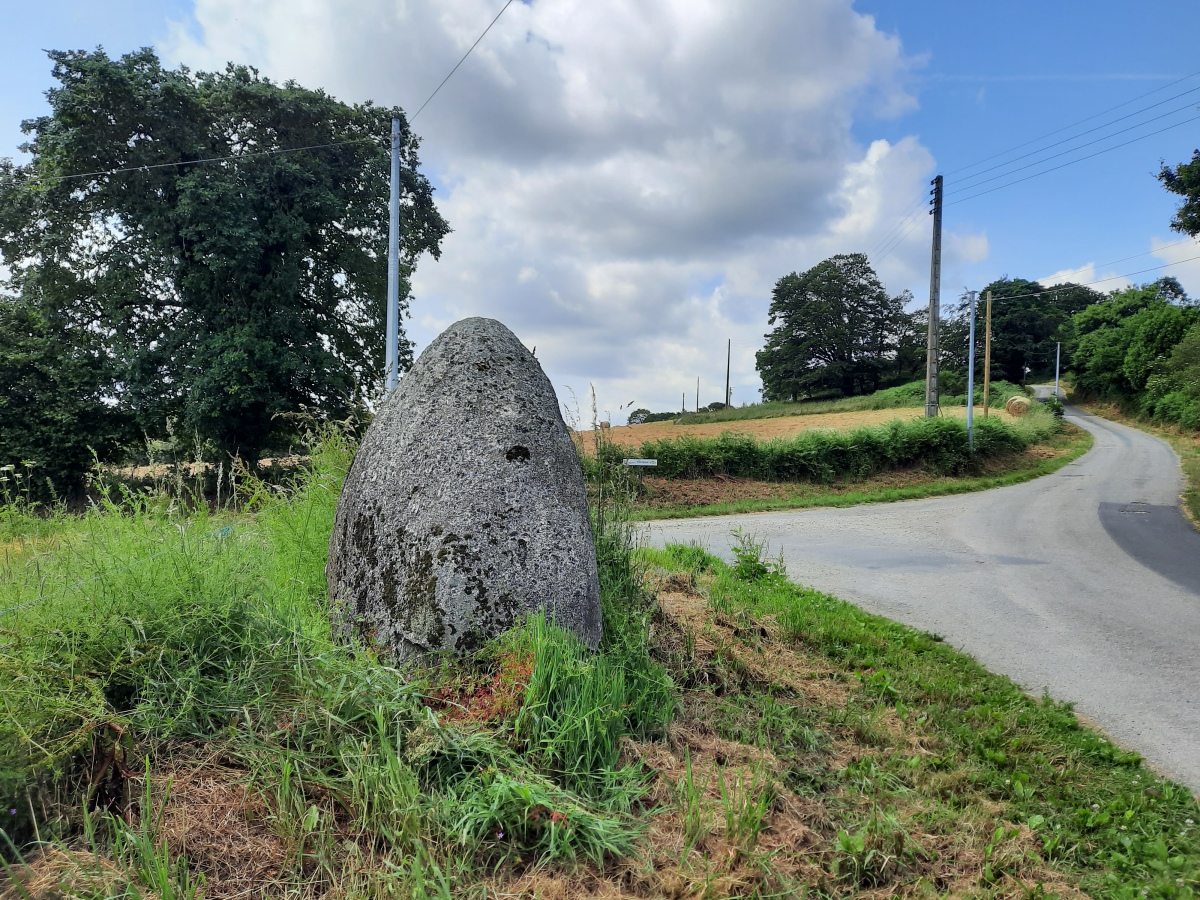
(835, 329)
(56, 409)
(1027, 320)
(223, 237)
(1129, 337)
(1184, 180)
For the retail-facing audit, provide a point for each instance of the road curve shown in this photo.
(1085, 582)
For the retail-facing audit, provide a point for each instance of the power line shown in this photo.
(1052, 290)
(1113, 262)
(899, 240)
(196, 162)
(1073, 124)
(461, 61)
(1064, 152)
(278, 150)
(1136, 112)
(884, 246)
(1072, 162)
(880, 243)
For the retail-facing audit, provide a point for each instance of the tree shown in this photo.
(1184, 180)
(228, 282)
(55, 411)
(1027, 320)
(1123, 340)
(835, 329)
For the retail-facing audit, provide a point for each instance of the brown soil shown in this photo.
(763, 429)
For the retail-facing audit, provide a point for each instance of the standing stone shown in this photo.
(465, 507)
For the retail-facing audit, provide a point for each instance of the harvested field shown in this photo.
(766, 429)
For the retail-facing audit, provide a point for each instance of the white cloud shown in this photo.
(1086, 274)
(625, 180)
(1185, 254)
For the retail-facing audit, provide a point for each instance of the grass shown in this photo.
(923, 773)
(176, 721)
(1011, 469)
(1184, 442)
(911, 394)
(162, 664)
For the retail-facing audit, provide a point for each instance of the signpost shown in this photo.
(639, 464)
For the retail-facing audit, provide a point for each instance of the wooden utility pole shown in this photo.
(935, 310)
(728, 352)
(987, 357)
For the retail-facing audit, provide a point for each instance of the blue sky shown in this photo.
(1001, 74)
(627, 182)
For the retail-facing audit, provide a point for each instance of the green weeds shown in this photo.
(157, 629)
(939, 752)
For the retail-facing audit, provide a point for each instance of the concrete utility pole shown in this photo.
(683, 400)
(728, 352)
(391, 354)
(971, 378)
(987, 357)
(697, 393)
(935, 299)
(1057, 357)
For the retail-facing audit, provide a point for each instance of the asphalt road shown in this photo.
(1085, 582)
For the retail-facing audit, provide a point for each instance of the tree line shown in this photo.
(174, 268)
(837, 332)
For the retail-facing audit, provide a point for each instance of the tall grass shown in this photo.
(150, 628)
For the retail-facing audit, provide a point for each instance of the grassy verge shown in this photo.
(1185, 443)
(904, 395)
(912, 771)
(177, 722)
(1043, 458)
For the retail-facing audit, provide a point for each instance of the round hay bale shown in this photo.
(1017, 406)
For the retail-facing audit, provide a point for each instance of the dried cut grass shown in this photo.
(59, 874)
(223, 827)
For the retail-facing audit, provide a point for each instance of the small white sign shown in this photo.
(640, 462)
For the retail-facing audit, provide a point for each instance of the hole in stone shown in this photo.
(517, 453)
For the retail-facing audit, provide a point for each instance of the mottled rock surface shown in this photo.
(465, 507)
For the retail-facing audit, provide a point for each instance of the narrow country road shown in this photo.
(1085, 582)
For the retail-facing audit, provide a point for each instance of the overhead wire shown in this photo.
(884, 246)
(278, 150)
(201, 161)
(961, 187)
(1074, 137)
(1071, 162)
(1073, 124)
(917, 212)
(461, 61)
(1052, 290)
(881, 242)
(900, 240)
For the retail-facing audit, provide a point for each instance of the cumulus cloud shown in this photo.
(1087, 274)
(626, 180)
(1184, 254)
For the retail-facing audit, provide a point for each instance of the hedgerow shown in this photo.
(824, 456)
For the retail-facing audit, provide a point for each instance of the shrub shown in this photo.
(824, 456)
